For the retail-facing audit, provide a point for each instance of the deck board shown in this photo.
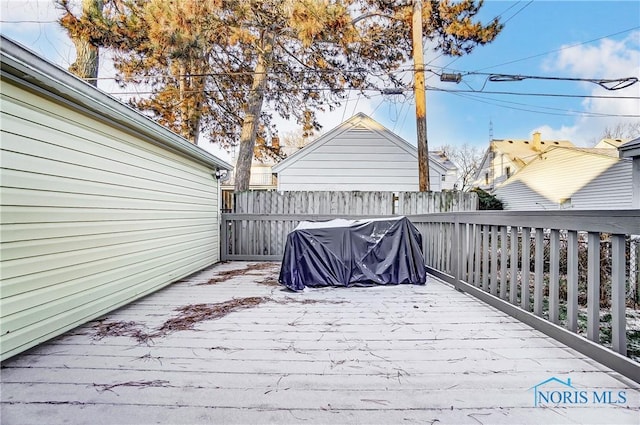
(397, 354)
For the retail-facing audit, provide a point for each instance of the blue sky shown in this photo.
(568, 39)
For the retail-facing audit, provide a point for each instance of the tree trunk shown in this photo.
(87, 55)
(190, 102)
(250, 125)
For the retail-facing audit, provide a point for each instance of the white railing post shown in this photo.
(538, 278)
(593, 286)
(572, 281)
(618, 292)
(554, 276)
(493, 279)
(485, 258)
(503, 261)
(513, 283)
(526, 269)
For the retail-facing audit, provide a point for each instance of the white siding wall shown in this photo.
(611, 190)
(92, 218)
(358, 159)
(590, 181)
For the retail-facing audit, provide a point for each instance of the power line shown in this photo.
(580, 96)
(403, 90)
(566, 113)
(561, 49)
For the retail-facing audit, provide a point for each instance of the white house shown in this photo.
(100, 205)
(505, 157)
(570, 178)
(360, 154)
(631, 150)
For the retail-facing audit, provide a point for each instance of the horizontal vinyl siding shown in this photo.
(590, 181)
(612, 189)
(355, 160)
(92, 218)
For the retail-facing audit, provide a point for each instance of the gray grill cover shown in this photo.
(353, 253)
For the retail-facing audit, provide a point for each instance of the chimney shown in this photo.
(537, 143)
(275, 143)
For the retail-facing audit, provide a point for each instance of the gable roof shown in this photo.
(360, 121)
(610, 143)
(523, 150)
(550, 176)
(519, 151)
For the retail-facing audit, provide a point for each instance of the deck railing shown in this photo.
(570, 274)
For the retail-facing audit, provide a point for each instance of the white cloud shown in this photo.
(609, 59)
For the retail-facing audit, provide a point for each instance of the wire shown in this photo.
(581, 96)
(408, 89)
(497, 17)
(568, 113)
(560, 49)
(620, 83)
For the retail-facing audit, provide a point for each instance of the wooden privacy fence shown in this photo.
(352, 203)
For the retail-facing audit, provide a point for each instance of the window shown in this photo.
(507, 171)
(486, 178)
(444, 177)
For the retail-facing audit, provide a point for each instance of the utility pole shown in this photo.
(421, 98)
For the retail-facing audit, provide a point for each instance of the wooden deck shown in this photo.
(398, 355)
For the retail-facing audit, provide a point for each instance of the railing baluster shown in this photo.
(593, 287)
(513, 288)
(478, 253)
(503, 262)
(526, 269)
(470, 238)
(464, 234)
(554, 276)
(572, 280)
(538, 278)
(493, 278)
(485, 258)
(618, 293)
(457, 257)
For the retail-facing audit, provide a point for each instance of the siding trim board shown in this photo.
(100, 205)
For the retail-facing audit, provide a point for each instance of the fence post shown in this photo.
(224, 236)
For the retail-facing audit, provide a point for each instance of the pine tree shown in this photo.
(212, 65)
(87, 55)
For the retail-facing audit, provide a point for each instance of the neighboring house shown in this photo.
(610, 143)
(450, 178)
(577, 178)
(360, 154)
(100, 205)
(262, 178)
(631, 150)
(505, 157)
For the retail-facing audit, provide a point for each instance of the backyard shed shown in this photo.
(100, 205)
